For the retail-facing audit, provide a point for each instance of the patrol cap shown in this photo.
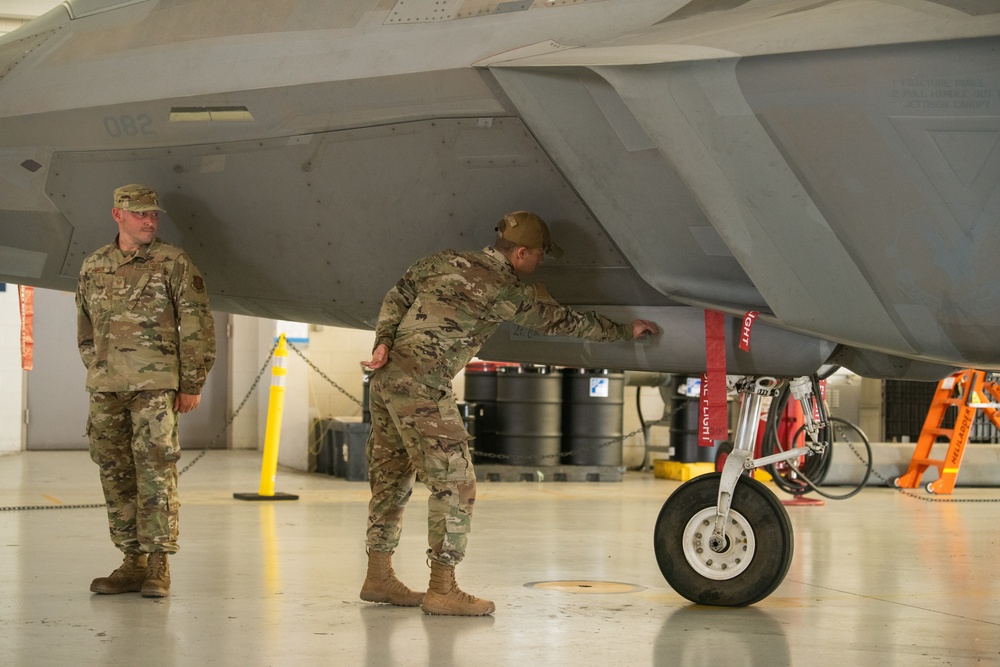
(527, 229)
(137, 198)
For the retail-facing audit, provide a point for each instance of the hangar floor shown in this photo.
(879, 579)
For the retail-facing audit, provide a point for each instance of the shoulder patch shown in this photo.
(198, 283)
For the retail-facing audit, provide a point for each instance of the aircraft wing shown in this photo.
(832, 165)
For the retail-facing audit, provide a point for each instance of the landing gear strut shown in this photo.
(727, 544)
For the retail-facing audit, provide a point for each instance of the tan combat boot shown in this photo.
(157, 584)
(381, 584)
(445, 597)
(127, 578)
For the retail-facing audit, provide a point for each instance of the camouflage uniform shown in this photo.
(434, 321)
(145, 332)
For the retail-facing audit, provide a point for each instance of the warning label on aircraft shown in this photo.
(930, 93)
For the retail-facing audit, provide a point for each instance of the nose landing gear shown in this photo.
(723, 538)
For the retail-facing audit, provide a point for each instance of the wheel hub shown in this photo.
(722, 559)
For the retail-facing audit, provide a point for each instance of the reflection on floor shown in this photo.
(879, 579)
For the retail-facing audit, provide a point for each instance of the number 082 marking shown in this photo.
(128, 126)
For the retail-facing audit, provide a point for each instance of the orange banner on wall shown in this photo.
(26, 299)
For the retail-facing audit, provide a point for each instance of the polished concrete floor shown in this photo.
(879, 579)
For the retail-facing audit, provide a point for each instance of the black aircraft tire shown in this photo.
(759, 551)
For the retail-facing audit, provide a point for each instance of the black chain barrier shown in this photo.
(579, 450)
(183, 470)
(336, 386)
(931, 499)
(477, 454)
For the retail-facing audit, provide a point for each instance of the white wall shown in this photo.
(11, 375)
(15, 13)
(249, 343)
(26, 9)
(338, 353)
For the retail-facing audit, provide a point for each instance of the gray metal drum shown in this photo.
(593, 414)
(481, 395)
(529, 415)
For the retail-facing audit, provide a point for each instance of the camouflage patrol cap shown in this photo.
(137, 198)
(527, 229)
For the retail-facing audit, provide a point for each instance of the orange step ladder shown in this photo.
(967, 391)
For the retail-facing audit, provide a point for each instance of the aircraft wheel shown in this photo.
(758, 550)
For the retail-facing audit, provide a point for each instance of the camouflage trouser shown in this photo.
(417, 430)
(133, 438)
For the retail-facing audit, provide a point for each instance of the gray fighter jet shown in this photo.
(831, 165)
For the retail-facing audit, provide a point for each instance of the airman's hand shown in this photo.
(186, 402)
(642, 328)
(379, 357)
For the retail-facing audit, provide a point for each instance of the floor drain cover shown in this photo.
(585, 586)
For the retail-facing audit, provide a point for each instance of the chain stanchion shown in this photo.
(272, 434)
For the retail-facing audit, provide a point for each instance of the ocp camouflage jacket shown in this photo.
(143, 321)
(444, 308)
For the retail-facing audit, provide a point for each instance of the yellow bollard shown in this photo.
(272, 432)
(275, 410)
